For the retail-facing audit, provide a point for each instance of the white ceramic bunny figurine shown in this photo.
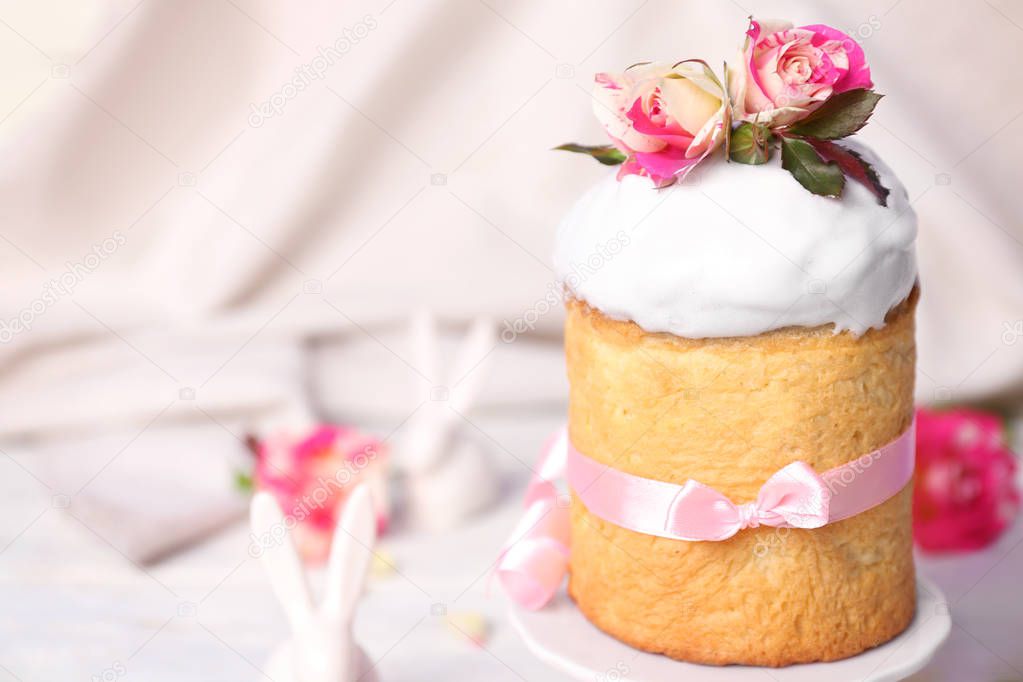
(321, 648)
(449, 476)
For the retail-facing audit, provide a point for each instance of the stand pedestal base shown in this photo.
(560, 636)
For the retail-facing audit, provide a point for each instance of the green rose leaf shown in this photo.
(814, 173)
(750, 144)
(243, 482)
(854, 166)
(840, 116)
(606, 154)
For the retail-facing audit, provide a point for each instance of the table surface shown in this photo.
(74, 608)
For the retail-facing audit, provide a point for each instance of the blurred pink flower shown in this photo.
(311, 475)
(784, 73)
(965, 493)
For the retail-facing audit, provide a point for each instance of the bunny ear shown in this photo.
(428, 431)
(280, 559)
(418, 442)
(472, 359)
(423, 337)
(350, 554)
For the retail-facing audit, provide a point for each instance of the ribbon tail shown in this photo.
(534, 561)
(550, 468)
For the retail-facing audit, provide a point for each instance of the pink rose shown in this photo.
(965, 493)
(665, 119)
(311, 475)
(784, 73)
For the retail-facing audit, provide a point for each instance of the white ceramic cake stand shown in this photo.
(560, 636)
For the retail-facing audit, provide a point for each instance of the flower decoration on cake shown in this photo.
(311, 474)
(662, 119)
(965, 495)
(794, 89)
(784, 73)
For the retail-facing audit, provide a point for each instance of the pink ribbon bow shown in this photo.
(535, 559)
(794, 497)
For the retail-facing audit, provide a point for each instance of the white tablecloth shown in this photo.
(73, 607)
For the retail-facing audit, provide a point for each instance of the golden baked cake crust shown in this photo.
(731, 412)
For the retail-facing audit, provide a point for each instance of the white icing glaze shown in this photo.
(739, 250)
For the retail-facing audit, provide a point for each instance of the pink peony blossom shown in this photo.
(965, 493)
(784, 73)
(666, 119)
(311, 476)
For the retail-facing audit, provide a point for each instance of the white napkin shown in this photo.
(148, 493)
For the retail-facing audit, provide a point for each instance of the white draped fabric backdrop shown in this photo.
(219, 215)
(199, 198)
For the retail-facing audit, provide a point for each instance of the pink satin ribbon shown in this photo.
(535, 559)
